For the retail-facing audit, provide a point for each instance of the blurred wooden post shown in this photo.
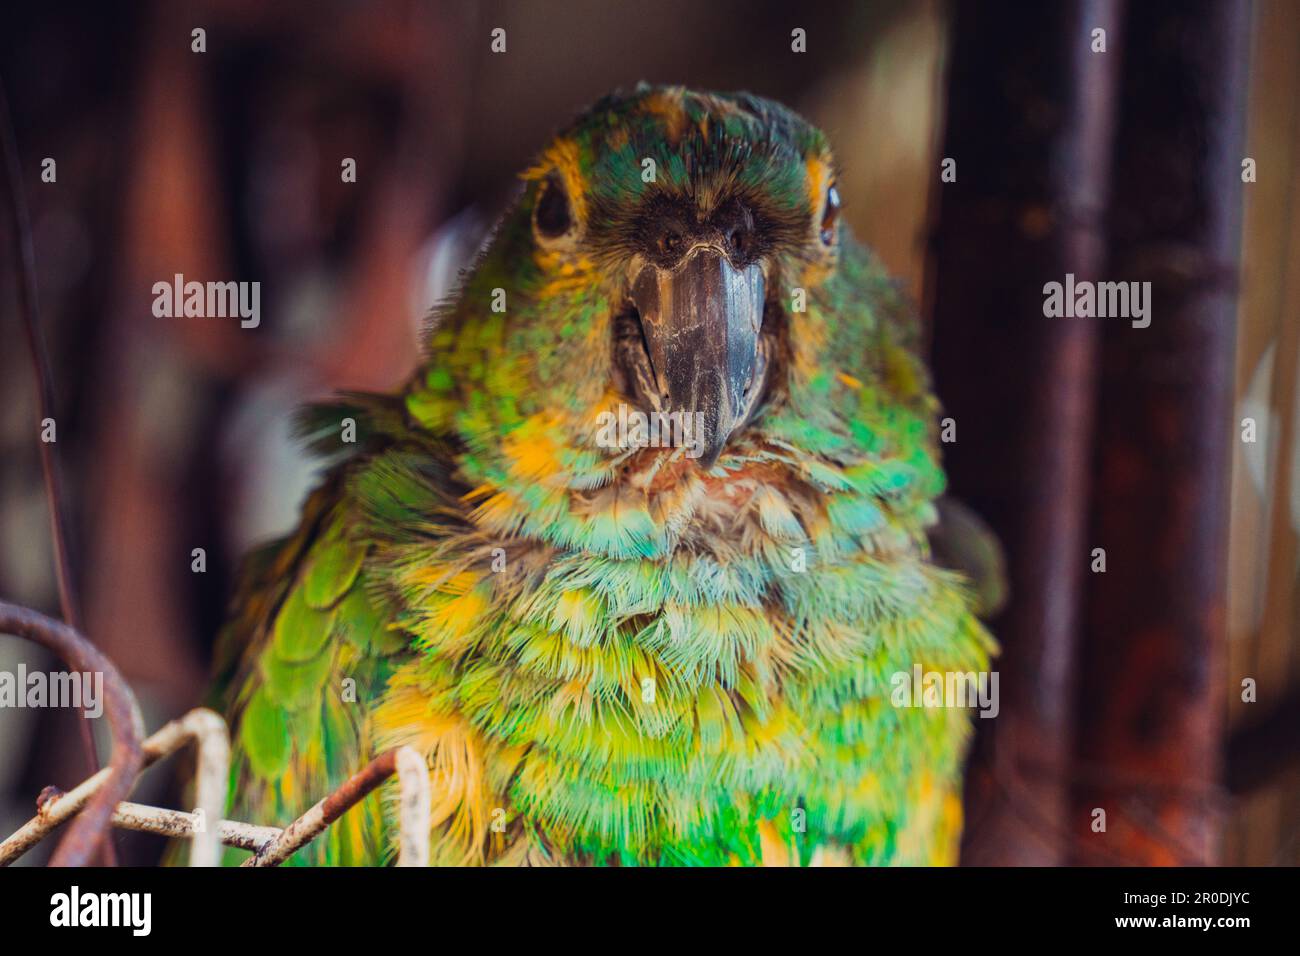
(1151, 702)
(1028, 124)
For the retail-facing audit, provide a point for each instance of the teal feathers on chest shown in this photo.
(652, 702)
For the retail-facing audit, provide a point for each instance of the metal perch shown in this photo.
(115, 781)
(97, 801)
(414, 845)
(208, 831)
(178, 823)
(203, 726)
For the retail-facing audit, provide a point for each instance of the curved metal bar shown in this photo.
(413, 777)
(87, 832)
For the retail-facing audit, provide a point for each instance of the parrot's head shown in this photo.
(694, 214)
(673, 299)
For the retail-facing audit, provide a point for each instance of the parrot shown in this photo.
(676, 646)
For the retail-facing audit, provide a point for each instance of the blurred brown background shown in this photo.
(225, 165)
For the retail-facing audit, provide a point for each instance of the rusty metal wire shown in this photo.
(43, 378)
(415, 809)
(308, 826)
(115, 782)
(55, 807)
(182, 825)
(206, 829)
(208, 731)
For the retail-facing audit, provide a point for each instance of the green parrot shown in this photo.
(639, 556)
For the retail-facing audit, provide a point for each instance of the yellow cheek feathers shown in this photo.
(820, 174)
(564, 158)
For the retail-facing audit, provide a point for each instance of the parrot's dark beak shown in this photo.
(701, 321)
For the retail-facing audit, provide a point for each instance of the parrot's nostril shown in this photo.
(736, 240)
(735, 224)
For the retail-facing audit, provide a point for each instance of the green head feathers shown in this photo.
(535, 351)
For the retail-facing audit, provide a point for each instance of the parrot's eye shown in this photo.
(831, 214)
(552, 217)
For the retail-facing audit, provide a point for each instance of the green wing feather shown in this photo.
(311, 643)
